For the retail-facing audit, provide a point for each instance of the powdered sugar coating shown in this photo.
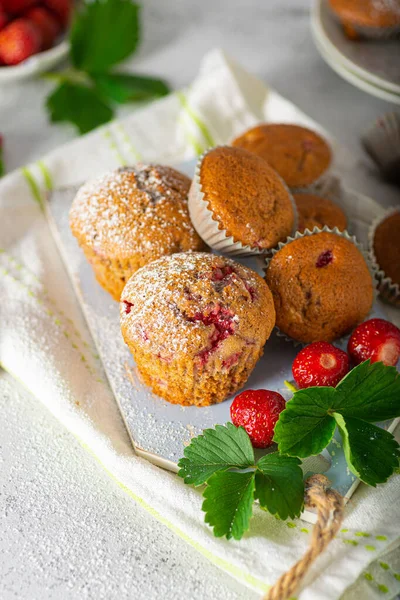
(196, 323)
(137, 210)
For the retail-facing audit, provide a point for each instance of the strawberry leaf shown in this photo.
(279, 485)
(371, 452)
(79, 105)
(215, 450)
(121, 87)
(305, 427)
(228, 503)
(370, 392)
(104, 33)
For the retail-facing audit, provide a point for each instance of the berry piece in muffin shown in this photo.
(257, 411)
(321, 285)
(377, 340)
(196, 325)
(315, 211)
(247, 199)
(320, 363)
(130, 217)
(299, 155)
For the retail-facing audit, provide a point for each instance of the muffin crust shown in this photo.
(315, 211)
(247, 198)
(387, 246)
(196, 325)
(299, 155)
(322, 287)
(130, 217)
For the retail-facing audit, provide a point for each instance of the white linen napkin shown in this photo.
(45, 343)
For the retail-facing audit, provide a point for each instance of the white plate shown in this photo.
(371, 62)
(355, 80)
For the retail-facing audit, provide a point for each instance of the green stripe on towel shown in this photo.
(196, 119)
(33, 186)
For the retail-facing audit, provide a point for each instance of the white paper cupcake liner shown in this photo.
(209, 228)
(307, 232)
(387, 289)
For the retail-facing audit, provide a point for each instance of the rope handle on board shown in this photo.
(329, 505)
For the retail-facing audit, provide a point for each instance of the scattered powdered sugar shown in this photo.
(386, 5)
(133, 210)
(171, 303)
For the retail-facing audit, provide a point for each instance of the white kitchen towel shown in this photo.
(45, 343)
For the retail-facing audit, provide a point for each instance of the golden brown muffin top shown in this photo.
(368, 13)
(315, 211)
(246, 197)
(299, 155)
(321, 286)
(387, 246)
(135, 210)
(191, 304)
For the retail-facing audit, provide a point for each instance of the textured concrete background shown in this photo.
(67, 530)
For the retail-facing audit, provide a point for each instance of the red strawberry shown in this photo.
(19, 40)
(62, 10)
(3, 18)
(257, 411)
(318, 364)
(376, 339)
(46, 23)
(16, 7)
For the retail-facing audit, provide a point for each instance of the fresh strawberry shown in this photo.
(46, 23)
(376, 339)
(3, 17)
(16, 7)
(257, 411)
(318, 364)
(62, 10)
(19, 40)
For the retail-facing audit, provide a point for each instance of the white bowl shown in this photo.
(43, 61)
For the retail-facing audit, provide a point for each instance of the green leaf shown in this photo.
(104, 33)
(370, 392)
(371, 452)
(122, 88)
(305, 428)
(228, 503)
(79, 105)
(280, 486)
(216, 450)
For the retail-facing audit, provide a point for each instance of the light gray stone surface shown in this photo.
(67, 530)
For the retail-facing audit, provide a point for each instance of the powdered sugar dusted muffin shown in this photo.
(196, 325)
(129, 217)
(367, 18)
(321, 285)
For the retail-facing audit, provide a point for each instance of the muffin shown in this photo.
(238, 203)
(321, 285)
(128, 218)
(314, 211)
(196, 325)
(385, 249)
(299, 155)
(367, 18)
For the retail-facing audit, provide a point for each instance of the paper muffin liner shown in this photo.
(307, 232)
(208, 227)
(387, 289)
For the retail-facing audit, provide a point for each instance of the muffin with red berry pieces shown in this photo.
(130, 217)
(196, 325)
(321, 284)
(300, 156)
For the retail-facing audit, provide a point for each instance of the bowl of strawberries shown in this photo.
(32, 36)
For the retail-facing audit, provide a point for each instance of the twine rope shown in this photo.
(329, 505)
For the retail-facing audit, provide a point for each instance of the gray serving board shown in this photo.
(160, 431)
